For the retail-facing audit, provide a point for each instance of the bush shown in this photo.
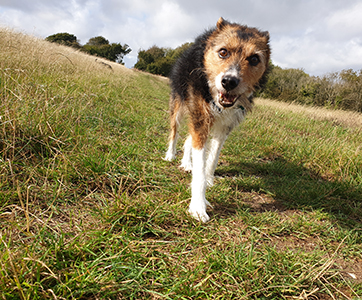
(64, 38)
(113, 52)
(98, 46)
(158, 60)
(341, 90)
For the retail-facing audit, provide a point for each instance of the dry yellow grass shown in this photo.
(30, 51)
(348, 119)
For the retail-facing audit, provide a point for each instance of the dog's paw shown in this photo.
(186, 165)
(199, 215)
(198, 210)
(169, 156)
(210, 181)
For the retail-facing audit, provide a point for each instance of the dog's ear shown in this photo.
(265, 34)
(221, 23)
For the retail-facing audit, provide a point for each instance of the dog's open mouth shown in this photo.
(226, 99)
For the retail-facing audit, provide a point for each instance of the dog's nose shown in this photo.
(229, 82)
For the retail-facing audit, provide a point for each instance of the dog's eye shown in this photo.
(223, 53)
(254, 60)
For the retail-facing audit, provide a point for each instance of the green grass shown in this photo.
(89, 210)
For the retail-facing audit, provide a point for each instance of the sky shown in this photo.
(318, 36)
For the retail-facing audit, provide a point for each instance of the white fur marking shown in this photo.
(171, 152)
(233, 72)
(239, 90)
(198, 203)
(186, 162)
(218, 81)
(213, 157)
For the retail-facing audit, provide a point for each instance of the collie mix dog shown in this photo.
(213, 82)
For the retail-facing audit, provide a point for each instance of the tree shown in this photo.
(148, 57)
(101, 47)
(176, 53)
(158, 60)
(339, 90)
(98, 46)
(98, 41)
(64, 38)
(287, 84)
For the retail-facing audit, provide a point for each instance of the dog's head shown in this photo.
(236, 60)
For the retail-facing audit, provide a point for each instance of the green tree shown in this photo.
(286, 84)
(64, 38)
(98, 41)
(100, 46)
(176, 53)
(158, 60)
(339, 90)
(351, 89)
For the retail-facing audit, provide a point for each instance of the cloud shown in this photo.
(43, 18)
(345, 24)
(327, 42)
(319, 36)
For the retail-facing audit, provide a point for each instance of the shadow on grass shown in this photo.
(296, 187)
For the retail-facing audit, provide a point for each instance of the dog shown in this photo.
(213, 82)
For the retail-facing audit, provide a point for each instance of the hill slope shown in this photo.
(89, 209)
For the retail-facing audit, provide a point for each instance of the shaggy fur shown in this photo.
(213, 82)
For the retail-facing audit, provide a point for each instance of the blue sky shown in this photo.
(319, 36)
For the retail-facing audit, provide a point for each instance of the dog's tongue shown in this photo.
(227, 100)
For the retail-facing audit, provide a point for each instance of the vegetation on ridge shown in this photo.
(97, 46)
(338, 90)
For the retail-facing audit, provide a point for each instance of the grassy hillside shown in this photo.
(89, 210)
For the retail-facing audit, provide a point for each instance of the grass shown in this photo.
(89, 210)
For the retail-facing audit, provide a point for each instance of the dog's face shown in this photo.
(236, 58)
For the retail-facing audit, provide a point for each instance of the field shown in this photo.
(89, 210)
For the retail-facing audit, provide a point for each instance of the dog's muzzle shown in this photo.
(228, 82)
(226, 99)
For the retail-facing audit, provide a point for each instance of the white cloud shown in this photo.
(317, 57)
(317, 35)
(172, 23)
(345, 24)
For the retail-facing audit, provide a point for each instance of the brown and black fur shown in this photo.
(212, 79)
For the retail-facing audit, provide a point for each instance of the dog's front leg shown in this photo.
(216, 144)
(198, 203)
